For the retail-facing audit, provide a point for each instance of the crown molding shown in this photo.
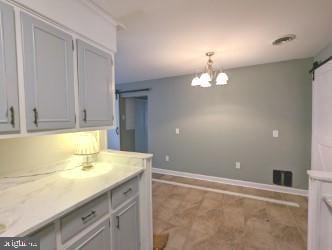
(103, 13)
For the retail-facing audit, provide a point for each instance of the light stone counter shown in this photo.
(35, 202)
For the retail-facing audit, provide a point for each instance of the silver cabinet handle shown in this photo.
(86, 218)
(12, 116)
(84, 115)
(35, 112)
(128, 191)
(117, 130)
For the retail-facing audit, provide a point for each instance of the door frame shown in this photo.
(129, 95)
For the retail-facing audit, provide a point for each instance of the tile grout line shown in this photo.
(249, 196)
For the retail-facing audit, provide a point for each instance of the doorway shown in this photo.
(131, 131)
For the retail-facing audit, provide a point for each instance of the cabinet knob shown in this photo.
(35, 112)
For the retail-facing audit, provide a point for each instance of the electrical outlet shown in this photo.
(275, 133)
(237, 165)
(167, 158)
(177, 131)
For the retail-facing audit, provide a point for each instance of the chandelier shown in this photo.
(210, 75)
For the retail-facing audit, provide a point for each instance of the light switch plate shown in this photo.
(275, 133)
(237, 165)
(177, 131)
(167, 158)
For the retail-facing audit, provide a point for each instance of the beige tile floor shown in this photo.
(204, 220)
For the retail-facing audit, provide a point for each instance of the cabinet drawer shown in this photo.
(82, 217)
(124, 192)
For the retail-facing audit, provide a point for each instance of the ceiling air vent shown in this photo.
(284, 39)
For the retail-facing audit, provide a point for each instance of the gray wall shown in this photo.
(221, 125)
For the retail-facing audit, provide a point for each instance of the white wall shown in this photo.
(29, 153)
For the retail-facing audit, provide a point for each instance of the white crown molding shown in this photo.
(249, 184)
(101, 12)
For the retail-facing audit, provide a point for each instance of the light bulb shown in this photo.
(196, 81)
(222, 79)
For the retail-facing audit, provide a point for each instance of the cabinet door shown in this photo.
(9, 113)
(47, 237)
(95, 79)
(125, 232)
(98, 238)
(48, 76)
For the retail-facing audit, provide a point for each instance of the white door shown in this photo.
(95, 78)
(48, 76)
(113, 135)
(9, 113)
(141, 132)
(322, 119)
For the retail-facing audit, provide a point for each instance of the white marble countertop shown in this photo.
(320, 175)
(30, 205)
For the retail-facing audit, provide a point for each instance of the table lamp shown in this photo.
(86, 145)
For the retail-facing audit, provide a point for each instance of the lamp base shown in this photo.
(86, 167)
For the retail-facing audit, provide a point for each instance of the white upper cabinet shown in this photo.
(9, 108)
(95, 84)
(46, 85)
(48, 76)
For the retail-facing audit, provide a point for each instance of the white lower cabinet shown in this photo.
(98, 238)
(125, 227)
(108, 222)
(47, 237)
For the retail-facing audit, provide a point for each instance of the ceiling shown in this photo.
(170, 37)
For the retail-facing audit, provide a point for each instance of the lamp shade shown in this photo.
(205, 80)
(86, 145)
(222, 79)
(205, 77)
(196, 81)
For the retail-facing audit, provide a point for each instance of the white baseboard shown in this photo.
(241, 183)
